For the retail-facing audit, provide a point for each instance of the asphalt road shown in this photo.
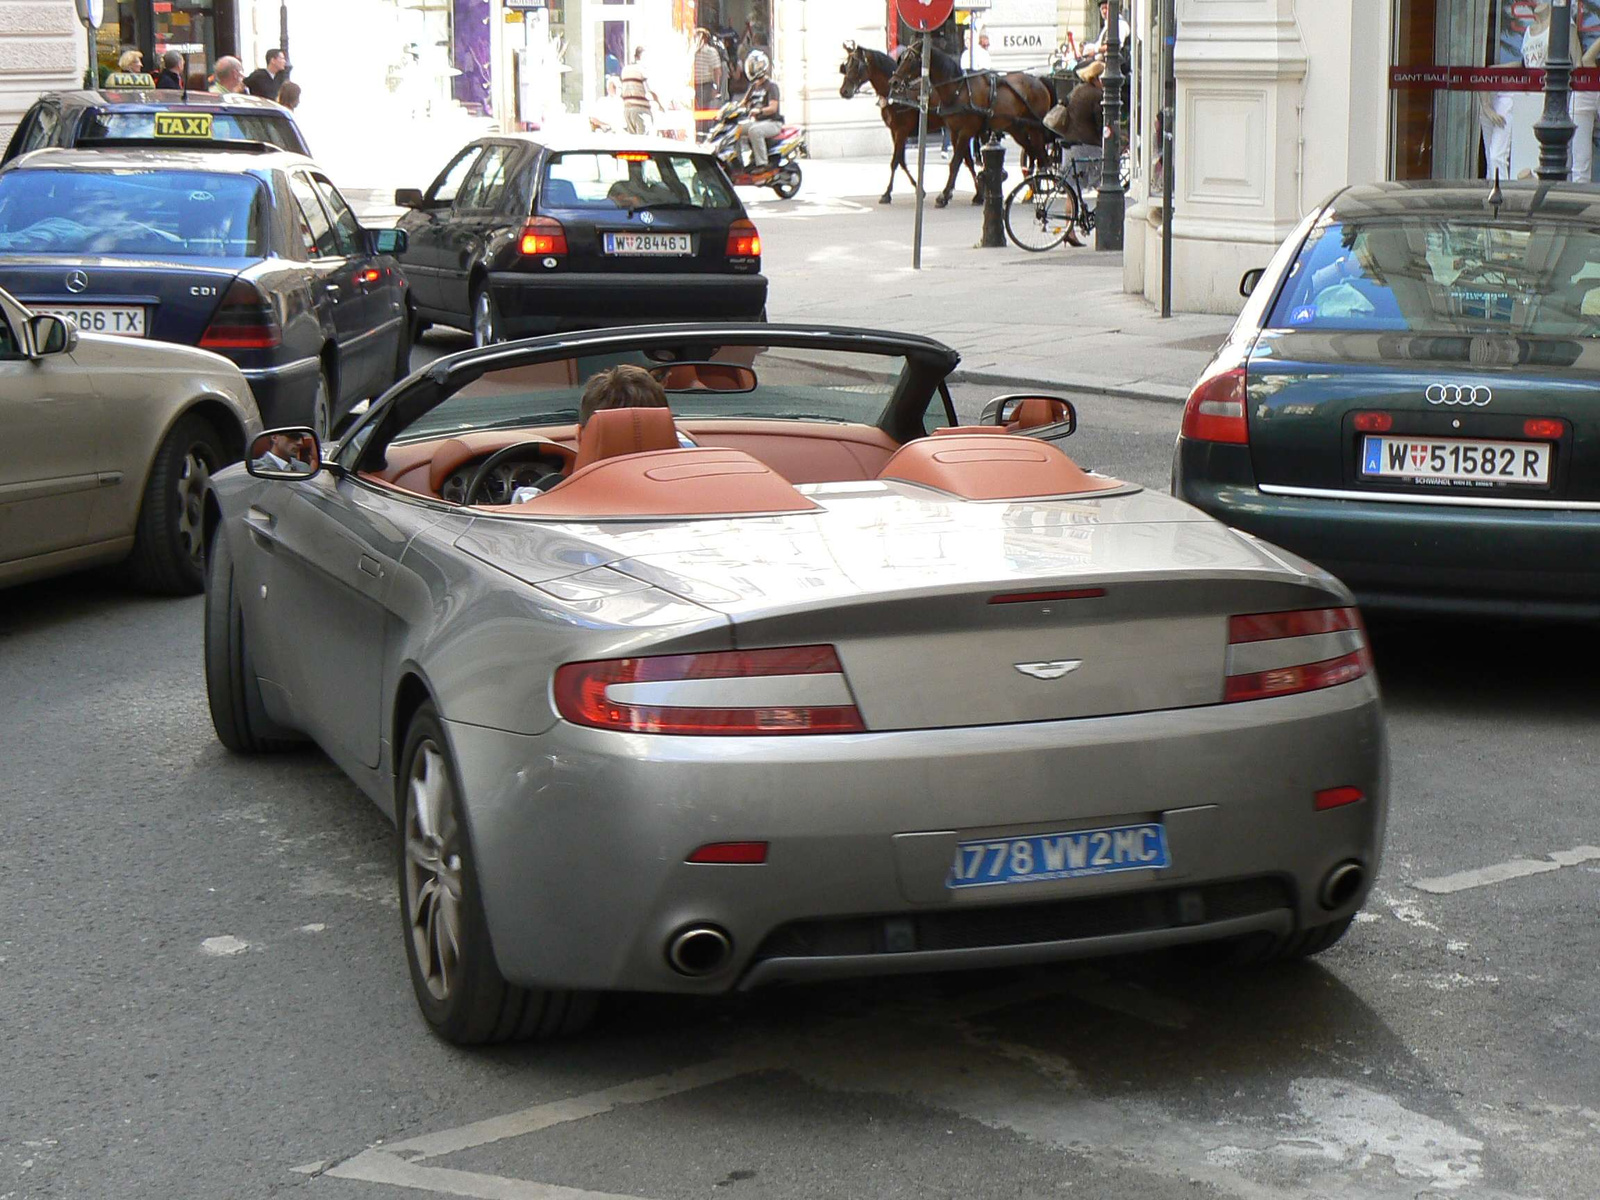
(204, 992)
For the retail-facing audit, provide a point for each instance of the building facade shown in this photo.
(42, 46)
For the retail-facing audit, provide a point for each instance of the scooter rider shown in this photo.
(763, 118)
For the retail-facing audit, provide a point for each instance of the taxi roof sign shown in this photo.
(183, 125)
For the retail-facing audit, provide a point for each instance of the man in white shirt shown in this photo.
(1123, 28)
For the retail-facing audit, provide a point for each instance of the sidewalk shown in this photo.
(1056, 320)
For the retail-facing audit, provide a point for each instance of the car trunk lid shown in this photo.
(177, 300)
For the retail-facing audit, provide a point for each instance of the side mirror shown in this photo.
(387, 241)
(52, 335)
(1023, 413)
(1251, 280)
(408, 197)
(292, 453)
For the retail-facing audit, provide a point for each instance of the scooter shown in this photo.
(783, 153)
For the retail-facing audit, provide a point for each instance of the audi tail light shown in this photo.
(1285, 653)
(244, 320)
(743, 693)
(1215, 411)
(743, 240)
(543, 237)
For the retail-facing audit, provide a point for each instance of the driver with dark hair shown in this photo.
(625, 386)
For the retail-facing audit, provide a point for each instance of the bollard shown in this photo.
(993, 177)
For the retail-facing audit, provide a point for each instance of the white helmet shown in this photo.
(757, 65)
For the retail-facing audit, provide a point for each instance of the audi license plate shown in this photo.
(98, 318)
(649, 243)
(1048, 856)
(1456, 462)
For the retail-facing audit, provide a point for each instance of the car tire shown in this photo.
(457, 983)
(485, 317)
(237, 713)
(169, 539)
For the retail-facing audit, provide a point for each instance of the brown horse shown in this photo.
(975, 105)
(863, 67)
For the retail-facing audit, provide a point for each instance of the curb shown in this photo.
(1161, 393)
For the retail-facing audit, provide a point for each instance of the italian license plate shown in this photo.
(1456, 461)
(1049, 856)
(99, 318)
(649, 243)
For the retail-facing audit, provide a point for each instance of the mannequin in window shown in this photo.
(1582, 106)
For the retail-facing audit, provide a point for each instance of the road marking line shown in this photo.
(376, 1166)
(576, 1108)
(1517, 868)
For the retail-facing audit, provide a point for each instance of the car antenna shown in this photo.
(1496, 196)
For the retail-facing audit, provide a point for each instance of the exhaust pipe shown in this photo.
(1342, 885)
(699, 950)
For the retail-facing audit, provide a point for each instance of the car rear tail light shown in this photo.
(743, 240)
(1215, 411)
(748, 854)
(1285, 653)
(796, 690)
(1544, 427)
(543, 237)
(243, 321)
(1337, 798)
(1374, 422)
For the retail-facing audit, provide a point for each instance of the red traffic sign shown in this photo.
(925, 15)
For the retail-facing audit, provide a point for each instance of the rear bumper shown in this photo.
(1420, 557)
(284, 393)
(581, 835)
(558, 302)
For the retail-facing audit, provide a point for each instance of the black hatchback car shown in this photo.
(118, 118)
(520, 235)
(1411, 399)
(251, 253)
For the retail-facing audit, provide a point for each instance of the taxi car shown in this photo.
(120, 117)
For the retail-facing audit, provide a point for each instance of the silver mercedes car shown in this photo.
(795, 680)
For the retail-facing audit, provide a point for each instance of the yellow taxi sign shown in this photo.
(183, 125)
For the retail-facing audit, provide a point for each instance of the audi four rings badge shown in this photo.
(1458, 394)
(77, 281)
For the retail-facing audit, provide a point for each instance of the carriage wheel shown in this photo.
(1039, 212)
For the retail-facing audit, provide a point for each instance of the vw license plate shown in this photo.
(98, 318)
(1456, 461)
(1048, 856)
(649, 243)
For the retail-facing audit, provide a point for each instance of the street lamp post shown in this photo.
(1554, 129)
(1112, 204)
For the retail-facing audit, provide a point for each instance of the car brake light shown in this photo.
(796, 690)
(243, 321)
(1215, 410)
(1544, 427)
(1337, 798)
(743, 240)
(1285, 653)
(632, 156)
(747, 854)
(1374, 422)
(542, 236)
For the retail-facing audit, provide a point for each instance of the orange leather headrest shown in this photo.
(614, 431)
(1035, 412)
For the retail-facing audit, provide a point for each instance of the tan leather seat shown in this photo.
(1036, 412)
(614, 431)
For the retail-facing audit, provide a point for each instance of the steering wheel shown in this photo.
(480, 477)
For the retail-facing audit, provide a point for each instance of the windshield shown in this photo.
(627, 179)
(183, 214)
(1445, 276)
(276, 129)
(789, 384)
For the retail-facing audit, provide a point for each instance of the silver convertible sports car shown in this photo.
(791, 681)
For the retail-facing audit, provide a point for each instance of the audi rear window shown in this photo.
(276, 129)
(166, 214)
(1445, 276)
(606, 181)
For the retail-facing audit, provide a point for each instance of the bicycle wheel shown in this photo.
(1039, 212)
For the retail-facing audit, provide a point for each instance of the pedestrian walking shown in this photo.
(707, 81)
(266, 81)
(172, 72)
(229, 76)
(637, 97)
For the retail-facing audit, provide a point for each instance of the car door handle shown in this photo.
(260, 523)
(371, 566)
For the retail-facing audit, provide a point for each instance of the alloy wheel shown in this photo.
(321, 417)
(193, 478)
(433, 871)
(484, 332)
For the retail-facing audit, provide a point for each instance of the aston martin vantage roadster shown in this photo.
(794, 680)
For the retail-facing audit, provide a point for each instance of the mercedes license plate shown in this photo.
(649, 243)
(98, 318)
(1048, 856)
(1454, 462)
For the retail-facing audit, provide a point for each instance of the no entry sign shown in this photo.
(923, 15)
